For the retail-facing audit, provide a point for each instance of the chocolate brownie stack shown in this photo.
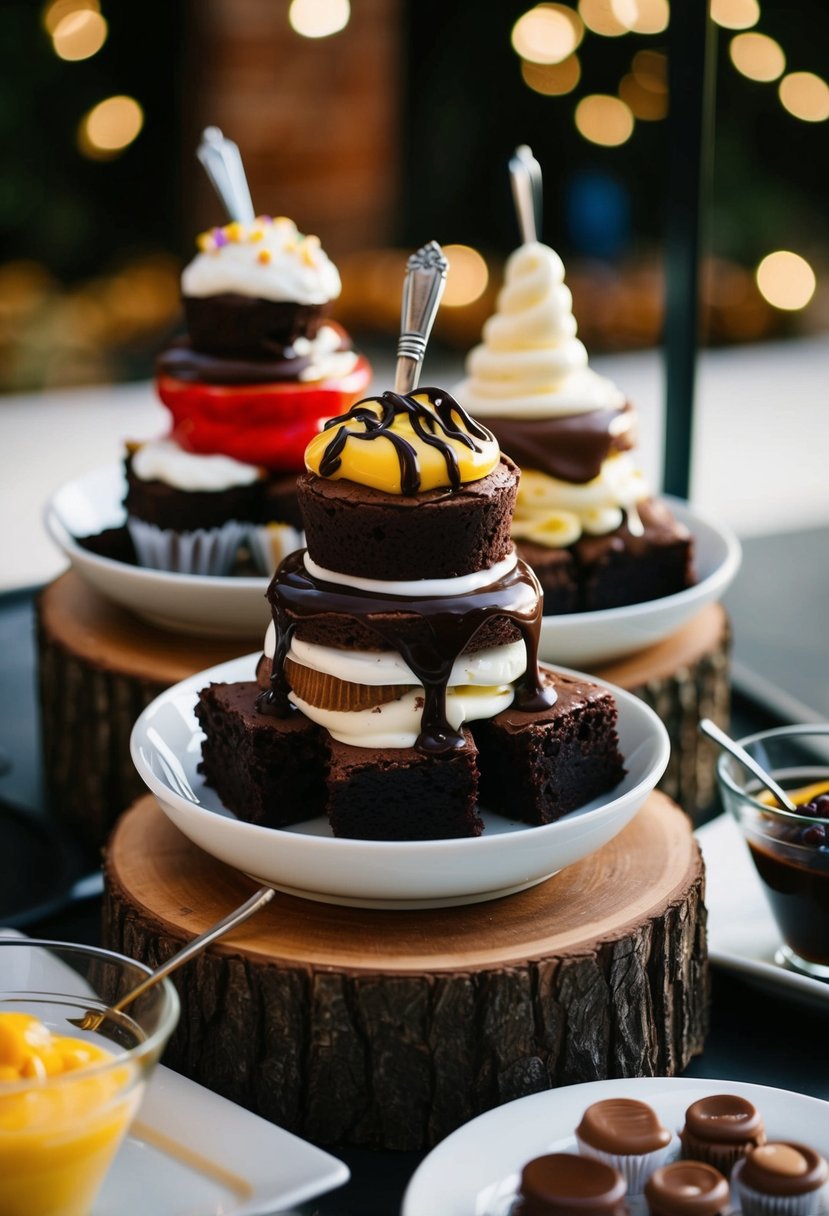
(400, 678)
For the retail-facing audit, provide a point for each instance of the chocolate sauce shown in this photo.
(424, 423)
(182, 362)
(572, 448)
(799, 897)
(452, 620)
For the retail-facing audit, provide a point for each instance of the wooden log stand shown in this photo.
(100, 666)
(390, 1029)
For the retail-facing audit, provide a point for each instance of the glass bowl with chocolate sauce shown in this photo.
(790, 850)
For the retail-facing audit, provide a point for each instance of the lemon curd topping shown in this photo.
(63, 1114)
(404, 444)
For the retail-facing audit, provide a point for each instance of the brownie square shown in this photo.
(399, 794)
(538, 766)
(267, 770)
(622, 568)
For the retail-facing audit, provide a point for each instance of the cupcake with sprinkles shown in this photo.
(261, 367)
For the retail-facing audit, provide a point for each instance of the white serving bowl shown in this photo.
(586, 639)
(186, 603)
(307, 860)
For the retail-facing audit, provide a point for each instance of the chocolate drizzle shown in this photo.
(425, 423)
(452, 620)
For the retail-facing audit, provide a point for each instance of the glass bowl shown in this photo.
(790, 850)
(59, 1132)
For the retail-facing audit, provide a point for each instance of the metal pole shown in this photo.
(691, 50)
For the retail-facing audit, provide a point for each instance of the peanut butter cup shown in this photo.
(626, 1134)
(782, 1177)
(720, 1129)
(687, 1188)
(567, 1183)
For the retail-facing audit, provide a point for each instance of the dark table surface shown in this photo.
(756, 1035)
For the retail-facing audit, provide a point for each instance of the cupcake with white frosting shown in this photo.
(585, 518)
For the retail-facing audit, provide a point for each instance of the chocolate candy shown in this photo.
(782, 1170)
(687, 1188)
(567, 1183)
(720, 1129)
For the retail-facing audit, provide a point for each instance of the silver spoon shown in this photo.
(725, 741)
(222, 163)
(525, 175)
(92, 1019)
(423, 286)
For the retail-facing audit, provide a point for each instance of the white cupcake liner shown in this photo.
(269, 543)
(752, 1203)
(202, 551)
(636, 1170)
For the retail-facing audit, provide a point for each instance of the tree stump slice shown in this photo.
(100, 666)
(389, 1029)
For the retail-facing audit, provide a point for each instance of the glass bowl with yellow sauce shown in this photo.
(790, 849)
(68, 1096)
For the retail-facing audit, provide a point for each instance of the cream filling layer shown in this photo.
(397, 723)
(327, 362)
(556, 513)
(163, 460)
(416, 587)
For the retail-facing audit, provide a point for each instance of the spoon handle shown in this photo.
(258, 900)
(727, 743)
(222, 163)
(525, 174)
(422, 288)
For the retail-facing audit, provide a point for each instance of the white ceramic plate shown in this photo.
(192, 1153)
(742, 932)
(187, 603)
(307, 860)
(476, 1169)
(585, 639)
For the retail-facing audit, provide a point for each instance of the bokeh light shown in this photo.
(109, 127)
(805, 95)
(735, 14)
(468, 276)
(552, 79)
(79, 35)
(651, 16)
(547, 33)
(757, 56)
(646, 103)
(601, 16)
(318, 18)
(786, 280)
(604, 120)
(54, 13)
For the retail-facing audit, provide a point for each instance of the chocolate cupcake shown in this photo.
(781, 1179)
(720, 1129)
(566, 1183)
(189, 514)
(687, 1188)
(626, 1134)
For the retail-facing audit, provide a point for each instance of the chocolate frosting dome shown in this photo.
(565, 1182)
(723, 1119)
(622, 1126)
(572, 448)
(687, 1188)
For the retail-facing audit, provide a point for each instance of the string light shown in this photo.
(547, 33)
(651, 16)
(735, 14)
(786, 280)
(110, 127)
(805, 95)
(54, 13)
(757, 56)
(468, 276)
(600, 17)
(318, 18)
(79, 35)
(604, 120)
(646, 103)
(552, 79)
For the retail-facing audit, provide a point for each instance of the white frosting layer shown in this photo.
(555, 513)
(268, 259)
(530, 363)
(397, 723)
(327, 363)
(163, 460)
(419, 587)
(484, 668)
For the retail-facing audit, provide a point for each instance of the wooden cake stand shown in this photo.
(390, 1029)
(101, 665)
